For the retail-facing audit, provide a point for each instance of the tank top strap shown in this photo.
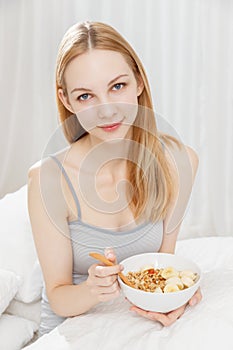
(69, 184)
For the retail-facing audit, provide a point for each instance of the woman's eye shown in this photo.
(118, 86)
(83, 97)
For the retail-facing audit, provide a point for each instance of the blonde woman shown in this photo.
(120, 183)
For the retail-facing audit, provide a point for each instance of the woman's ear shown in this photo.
(140, 86)
(64, 99)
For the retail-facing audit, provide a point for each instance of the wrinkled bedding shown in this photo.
(15, 332)
(209, 325)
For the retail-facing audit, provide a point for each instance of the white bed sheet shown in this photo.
(208, 325)
(15, 332)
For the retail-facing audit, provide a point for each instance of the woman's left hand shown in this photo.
(170, 317)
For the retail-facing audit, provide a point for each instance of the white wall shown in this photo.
(187, 50)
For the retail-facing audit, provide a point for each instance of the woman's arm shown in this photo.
(48, 215)
(51, 236)
(173, 215)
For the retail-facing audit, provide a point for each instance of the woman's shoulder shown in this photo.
(182, 158)
(193, 156)
(47, 162)
(69, 156)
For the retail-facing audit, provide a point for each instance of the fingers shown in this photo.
(196, 298)
(168, 318)
(105, 282)
(103, 297)
(140, 312)
(154, 316)
(104, 289)
(165, 319)
(110, 291)
(103, 271)
(174, 315)
(102, 282)
(110, 254)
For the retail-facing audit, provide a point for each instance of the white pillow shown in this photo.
(9, 284)
(17, 249)
(15, 332)
(30, 311)
(31, 289)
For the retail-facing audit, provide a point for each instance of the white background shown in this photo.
(186, 47)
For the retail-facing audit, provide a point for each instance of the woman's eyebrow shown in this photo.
(118, 77)
(111, 82)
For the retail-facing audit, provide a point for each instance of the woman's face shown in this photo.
(102, 90)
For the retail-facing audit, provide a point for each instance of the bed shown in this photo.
(208, 325)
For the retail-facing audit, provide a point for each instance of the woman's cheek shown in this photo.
(88, 117)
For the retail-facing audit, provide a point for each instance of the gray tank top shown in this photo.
(85, 238)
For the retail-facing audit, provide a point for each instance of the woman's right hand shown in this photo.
(102, 280)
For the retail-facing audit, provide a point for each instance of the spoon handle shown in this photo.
(104, 260)
(101, 258)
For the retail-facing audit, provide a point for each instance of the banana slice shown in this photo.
(158, 290)
(187, 281)
(188, 273)
(169, 272)
(147, 267)
(169, 288)
(175, 281)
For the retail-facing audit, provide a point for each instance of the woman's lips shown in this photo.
(111, 127)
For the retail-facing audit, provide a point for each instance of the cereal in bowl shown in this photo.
(164, 280)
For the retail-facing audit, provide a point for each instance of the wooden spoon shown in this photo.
(107, 262)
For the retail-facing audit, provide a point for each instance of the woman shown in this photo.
(106, 111)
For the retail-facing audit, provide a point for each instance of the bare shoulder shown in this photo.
(194, 159)
(45, 189)
(40, 172)
(43, 179)
(35, 168)
(182, 157)
(46, 163)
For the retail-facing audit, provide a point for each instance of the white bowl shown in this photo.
(158, 302)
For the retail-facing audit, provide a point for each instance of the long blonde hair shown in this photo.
(149, 173)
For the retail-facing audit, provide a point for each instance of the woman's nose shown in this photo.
(107, 110)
